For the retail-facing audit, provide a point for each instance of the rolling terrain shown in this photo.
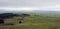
(36, 21)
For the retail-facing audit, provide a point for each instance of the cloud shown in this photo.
(27, 2)
(30, 4)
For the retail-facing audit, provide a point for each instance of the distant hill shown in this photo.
(27, 11)
(39, 11)
(13, 11)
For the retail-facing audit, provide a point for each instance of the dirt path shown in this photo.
(29, 24)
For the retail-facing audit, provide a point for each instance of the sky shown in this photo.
(46, 5)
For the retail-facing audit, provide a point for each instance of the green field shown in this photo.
(35, 21)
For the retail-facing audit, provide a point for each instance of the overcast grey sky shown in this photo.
(30, 4)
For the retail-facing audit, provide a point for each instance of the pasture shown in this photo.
(35, 22)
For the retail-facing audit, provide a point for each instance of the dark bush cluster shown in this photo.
(10, 15)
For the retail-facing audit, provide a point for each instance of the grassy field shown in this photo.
(36, 22)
